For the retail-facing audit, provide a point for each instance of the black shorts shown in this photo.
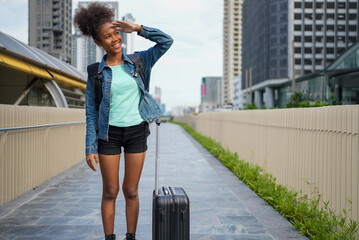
(133, 139)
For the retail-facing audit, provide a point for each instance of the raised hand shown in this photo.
(126, 27)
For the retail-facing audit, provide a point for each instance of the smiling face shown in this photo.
(109, 38)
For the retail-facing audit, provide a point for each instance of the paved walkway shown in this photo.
(222, 207)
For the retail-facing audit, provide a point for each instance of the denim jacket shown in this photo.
(147, 106)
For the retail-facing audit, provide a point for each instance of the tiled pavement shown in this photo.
(222, 207)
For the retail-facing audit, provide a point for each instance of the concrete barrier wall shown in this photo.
(318, 145)
(29, 157)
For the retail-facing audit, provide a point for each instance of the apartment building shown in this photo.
(232, 41)
(284, 39)
(50, 25)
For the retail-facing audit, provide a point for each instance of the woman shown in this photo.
(124, 112)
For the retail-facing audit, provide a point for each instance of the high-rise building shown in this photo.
(232, 41)
(211, 93)
(50, 24)
(278, 34)
(85, 51)
(128, 39)
(157, 96)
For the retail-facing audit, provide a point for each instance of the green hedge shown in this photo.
(312, 217)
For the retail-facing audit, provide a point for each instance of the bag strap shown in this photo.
(95, 77)
(136, 59)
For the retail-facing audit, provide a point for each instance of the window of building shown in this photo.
(307, 71)
(297, 38)
(330, 39)
(318, 50)
(340, 50)
(273, 30)
(318, 5)
(273, 63)
(297, 50)
(352, 28)
(283, 17)
(341, 39)
(297, 27)
(298, 61)
(352, 39)
(297, 5)
(308, 28)
(307, 61)
(273, 18)
(307, 50)
(297, 16)
(352, 5)
(341, 5)
(330, 27)
(274, 7)
(318, 61)
(330, 50)
(308, 16)
(319, 27)
(319, 16)
(330, 15)
(308, 39)
(341, 27)
(330, 5)
(352, 16)
(283, 6)
(284, 51)
(308, 5)
(341, 16)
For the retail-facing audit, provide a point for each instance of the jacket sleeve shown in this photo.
(91, 120)
(163, 43)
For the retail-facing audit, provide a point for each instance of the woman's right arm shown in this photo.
(91, 123)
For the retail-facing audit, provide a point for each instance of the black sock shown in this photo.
(130, 236)
(110, 237)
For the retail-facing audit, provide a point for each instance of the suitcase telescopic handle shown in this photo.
(158, 123)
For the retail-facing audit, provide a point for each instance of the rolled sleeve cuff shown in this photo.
(144, 32)
(91, 150)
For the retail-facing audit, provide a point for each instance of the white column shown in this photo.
(258, 99)
(269, 97)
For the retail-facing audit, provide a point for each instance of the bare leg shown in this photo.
(133, 168)
(109, 169)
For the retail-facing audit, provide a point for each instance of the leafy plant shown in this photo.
(312, 217)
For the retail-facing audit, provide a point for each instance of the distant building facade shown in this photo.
(50, 26)
(232, 42)
(85, 51)
(128, 39)
(284, 39)
(211, 93)
(239, 97)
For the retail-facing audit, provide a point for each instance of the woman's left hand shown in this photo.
(126, 27)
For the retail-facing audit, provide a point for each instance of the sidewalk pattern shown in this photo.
(221, 206)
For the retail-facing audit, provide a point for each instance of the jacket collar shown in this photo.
(103, 64)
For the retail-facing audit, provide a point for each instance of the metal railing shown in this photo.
(297, 146)
(37, 143)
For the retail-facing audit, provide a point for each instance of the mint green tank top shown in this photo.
(125, 97)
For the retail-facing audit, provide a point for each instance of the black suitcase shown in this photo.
(170, 208)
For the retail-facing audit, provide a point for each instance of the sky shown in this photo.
(195, 26)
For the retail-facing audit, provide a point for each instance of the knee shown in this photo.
(110, 194)
(130, 193)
